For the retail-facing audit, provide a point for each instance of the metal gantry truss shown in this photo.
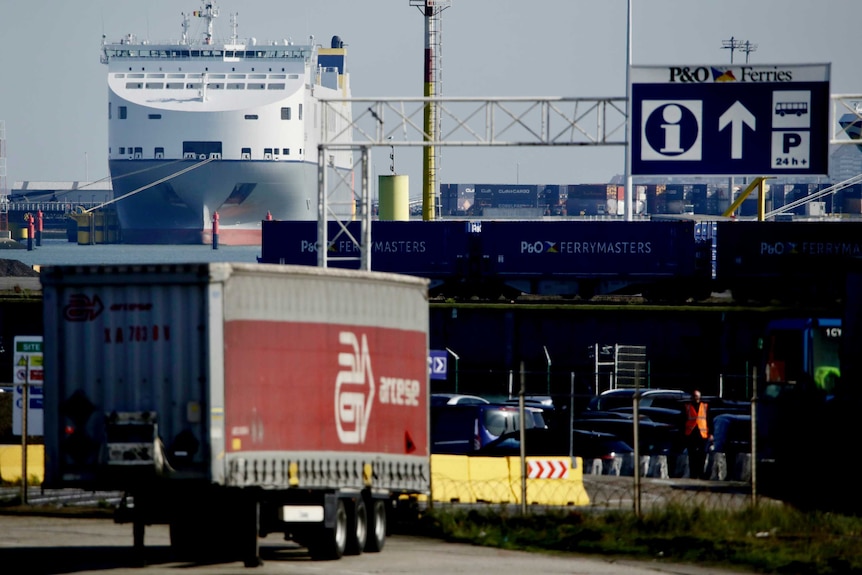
(471, 122)
(844, 105)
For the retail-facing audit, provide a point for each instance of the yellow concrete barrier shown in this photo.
(551, 480)
(450, 479)
(490, 479)
(555, 480)
(11, 462)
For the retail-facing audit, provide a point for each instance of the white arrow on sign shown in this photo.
(736, 116)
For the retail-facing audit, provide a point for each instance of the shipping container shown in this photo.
(588, 258)
(436, 250)
(235, 400)
(799, 260)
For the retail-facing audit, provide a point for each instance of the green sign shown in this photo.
(28, 346)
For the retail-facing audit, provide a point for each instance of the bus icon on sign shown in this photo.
(795, 108)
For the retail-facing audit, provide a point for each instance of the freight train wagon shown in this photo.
(786, 261)
(490, 258)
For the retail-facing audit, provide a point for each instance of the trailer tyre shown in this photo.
(330, 542)
(357, 534)
(376, 527)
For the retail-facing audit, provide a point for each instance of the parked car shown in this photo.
(660, 414)
(585, 444)
(462, 429)
(541, 404)
(732, 433)
(655, 438)
(456, 399)
(616, 398)
(539, 441)
(598, 445)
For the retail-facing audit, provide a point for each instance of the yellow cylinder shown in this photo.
(394, 194)
(99, 228)
(83, 222)
(19, 232)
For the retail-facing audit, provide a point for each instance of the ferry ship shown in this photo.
(202, 130)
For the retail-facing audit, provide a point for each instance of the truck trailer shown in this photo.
(231, 401)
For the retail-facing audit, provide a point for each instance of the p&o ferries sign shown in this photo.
(730, 120)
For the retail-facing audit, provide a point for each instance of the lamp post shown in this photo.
(627, 198)
(457, 357)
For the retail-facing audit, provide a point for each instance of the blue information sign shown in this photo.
(437, 363)
(730, 120)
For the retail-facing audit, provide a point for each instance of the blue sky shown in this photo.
(53, 97)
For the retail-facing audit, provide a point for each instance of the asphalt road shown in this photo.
(35, 545)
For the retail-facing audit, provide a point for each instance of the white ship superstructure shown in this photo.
(204, 126)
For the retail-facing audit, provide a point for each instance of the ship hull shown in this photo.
(181, 209)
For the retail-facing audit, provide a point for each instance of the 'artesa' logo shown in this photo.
(83, 308)
(354, 389)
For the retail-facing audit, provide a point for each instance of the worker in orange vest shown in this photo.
(696, 435)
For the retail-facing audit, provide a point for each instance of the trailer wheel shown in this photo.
(357, 534)
(330, 542)
(376, 527)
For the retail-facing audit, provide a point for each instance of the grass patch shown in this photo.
(768, 539)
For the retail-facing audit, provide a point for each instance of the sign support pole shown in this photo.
(24, 430)
(627, 201)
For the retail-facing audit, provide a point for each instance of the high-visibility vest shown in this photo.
(696, 419)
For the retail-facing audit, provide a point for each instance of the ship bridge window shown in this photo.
(285, 113)
(251, 116)
(155, 75)
(139, 153)
(267, 153)
(122, 112)
(216, 86)
(217, 76)
(285, 151)
(193, 86)
(119, 75)
(235, 86)
(176, 75)
(159, 153)
(154, 116)
(246, 153)
(275, 86)
(257, 76)
(122, 150)
(300, 111)
(175, 85)
(155, 85)
(255, 86)
(134, 85)
(136, 75)
(293, 76)
(277, 76)
(236, 76)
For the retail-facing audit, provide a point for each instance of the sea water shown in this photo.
(63, 252)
